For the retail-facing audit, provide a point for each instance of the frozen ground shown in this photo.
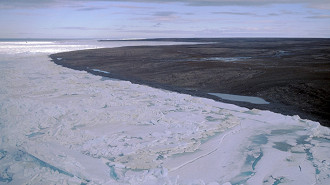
(61, 126)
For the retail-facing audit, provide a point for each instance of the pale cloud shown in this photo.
(81, 7)
(255, 14)
(273, 14)
(129, 6)
(322, 5)
(283, 12)
(235, 13)
(157, 25)
(79, 28)
(289, 12)
(319, 17)
(169, 18)
(160, 16)
(91, 8)
(164, 13)
(319, 4)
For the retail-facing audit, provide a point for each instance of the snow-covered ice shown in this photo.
(61, 126)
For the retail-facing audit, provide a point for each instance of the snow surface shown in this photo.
(61, 126)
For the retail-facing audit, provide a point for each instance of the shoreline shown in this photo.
(70, 126)
(292, 74)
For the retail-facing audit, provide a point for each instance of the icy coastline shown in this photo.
(58, 125)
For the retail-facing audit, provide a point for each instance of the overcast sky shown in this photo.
(161, 18)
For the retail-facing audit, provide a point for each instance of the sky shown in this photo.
(131, 19)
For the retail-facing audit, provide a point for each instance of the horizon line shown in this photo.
(153, 38)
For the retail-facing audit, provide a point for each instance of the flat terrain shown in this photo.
(292, 74)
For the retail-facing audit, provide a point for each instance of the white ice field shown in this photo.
(61, 126)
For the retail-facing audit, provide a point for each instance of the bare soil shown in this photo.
(292, 74)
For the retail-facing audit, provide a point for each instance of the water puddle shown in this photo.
(260, 139)
(100, 71)
(282, 146)
(222, 59)
(226, 59)
(249, 99)
(35, 134)
(281, 53)
(281, 132)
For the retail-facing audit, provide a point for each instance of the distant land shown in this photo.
(210, 39)
(293, 74)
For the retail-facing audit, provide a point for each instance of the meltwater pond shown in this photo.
(249, 99)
